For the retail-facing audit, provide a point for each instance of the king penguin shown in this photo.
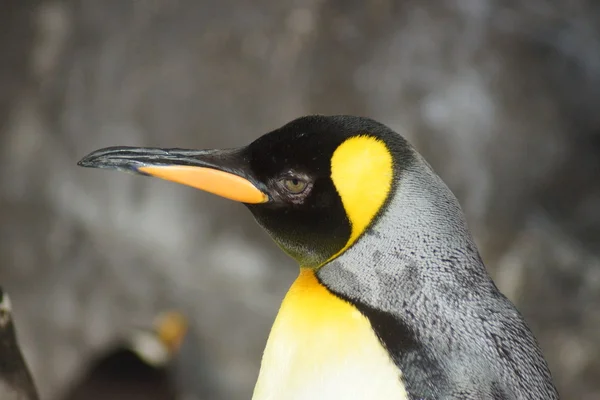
(392, 300)
(16, 382)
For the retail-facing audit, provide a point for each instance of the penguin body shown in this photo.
(393, 300)
(16, 382)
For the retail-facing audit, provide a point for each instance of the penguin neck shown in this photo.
(420, 238)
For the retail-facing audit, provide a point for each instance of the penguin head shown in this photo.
(315, 184)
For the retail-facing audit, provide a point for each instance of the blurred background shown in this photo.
(502, 97)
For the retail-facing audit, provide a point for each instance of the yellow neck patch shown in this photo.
(322, 347)
(362, 172)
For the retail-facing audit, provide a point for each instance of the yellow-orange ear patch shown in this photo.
(171, 328)
(362, 172)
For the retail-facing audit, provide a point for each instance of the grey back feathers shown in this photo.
(16, 382)
(417, 275)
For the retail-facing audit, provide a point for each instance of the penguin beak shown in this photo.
(225, 173)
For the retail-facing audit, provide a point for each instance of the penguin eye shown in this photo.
(295, 185)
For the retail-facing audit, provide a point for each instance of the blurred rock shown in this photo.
(500, 97)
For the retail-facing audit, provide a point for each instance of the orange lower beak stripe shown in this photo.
(221, 183)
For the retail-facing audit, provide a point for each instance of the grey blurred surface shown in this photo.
(500, 96)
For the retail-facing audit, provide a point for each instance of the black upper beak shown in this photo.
(223, 172)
